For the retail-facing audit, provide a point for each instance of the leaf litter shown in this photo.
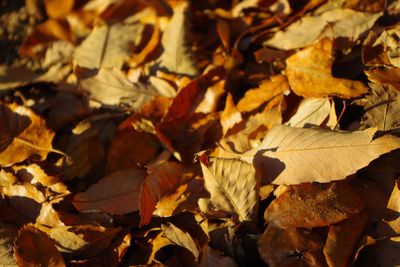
(201, 133)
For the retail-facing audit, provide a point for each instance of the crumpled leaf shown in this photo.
(111, 87)
(313, 205)
(8, 234)
(108, 46)
(382, 108)
(178, 56)
(117, 193)
(291, 247)
(180, 238)
(35, 248)
(309, 74)
(295, 155)
(34, 142)
(233, 187)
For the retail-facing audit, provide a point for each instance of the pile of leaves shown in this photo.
(211, 133)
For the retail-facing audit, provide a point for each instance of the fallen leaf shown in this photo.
(163, 178)
(211, 257)
(35, 248)
(8, 234)
(230, 116)
(180, 238)
(233, 187)
(342, 239)
(178, 56)
(291, 247)
(311, 112)
(108, 46)
(58, 10)
(313, 205)
(309, 74)
(34, 142)
(389, 76)
(382, 108)
(266, 92)
(117, 193)
(297, 155)
(111, 87)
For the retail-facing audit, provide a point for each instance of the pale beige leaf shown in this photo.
(310, 75)
(311, 112)
(294, 155)
(180, 238)
(108, 46)
(178, 56)
(111, 87)
(35, 248)
(233, 187)
(117, 193)
(8, 233)
(382, 107)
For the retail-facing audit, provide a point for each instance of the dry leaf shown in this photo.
(311, 112)
(34, 142)
(266, 92)
(58, 10)
(291, 247)
(342, 239)
(35, 248)
(8, 234)
(382, 108)
(108, 46)
(233, 187)
(178, 56)
(313, 205)
(180, 238)
(111, 87)
(309, 74)
(297, 155)
(117, 193)
(230, 116)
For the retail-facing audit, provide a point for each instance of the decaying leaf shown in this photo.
(314, 205)
(310, 75)
(35, 248)
(117, 193)
(291, 247)
(178, 56)
(108, 46)
(233, 187)
(8, 233)
(297, 155)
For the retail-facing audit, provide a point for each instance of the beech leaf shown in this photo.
(35, 248)
(111, 87)
(8, 234)
(310, 75)
(180, 238)
(108, 46)
(311, 112)
(313, 205)
(178, 56)
(117, 193)
(233, 187)
(297, 155)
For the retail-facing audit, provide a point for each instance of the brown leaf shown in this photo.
(117, 193)
(310, 75)
(163, 179)
(8, 234)
(35, 248)
(342, 239)
(291, 247)
(180, 238)
(211, 257)
(230, 116)
(29, 140)
(314, 205)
